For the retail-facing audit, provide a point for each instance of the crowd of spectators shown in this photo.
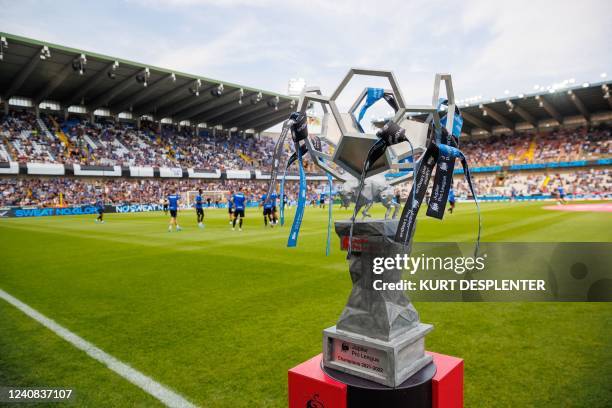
(25, 191)
(591, 181)
(76, 140)
(555, 146)
(22, 140)
(49, 139)
(55, 191)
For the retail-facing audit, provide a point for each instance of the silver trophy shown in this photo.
(378, 336)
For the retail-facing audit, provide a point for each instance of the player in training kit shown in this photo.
(322, 200)
(451, 200)
(239, 201)
(267, 210)
(199, 209)
(230, 207)
(273, 198)
(100, 210)
(173, 200)
(165, 206)
(560, 194)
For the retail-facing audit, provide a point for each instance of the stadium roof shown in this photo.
(586, 102)
(43, 71)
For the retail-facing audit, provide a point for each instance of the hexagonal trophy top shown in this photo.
(354, 144)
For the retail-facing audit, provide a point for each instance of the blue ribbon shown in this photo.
(282, 198)
(299, 212)
(373, 95)
(329, 214)
(457, 119)
(456, 153)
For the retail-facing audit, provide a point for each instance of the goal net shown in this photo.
(214, 197)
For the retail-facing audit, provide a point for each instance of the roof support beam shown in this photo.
(498, 117)
(242, 114)
(23, 74)
(107, 96)
(186, 103)
(165, 99)
(219, 111)
(549, 108)
(476, 122)
(579, 105)
(205, 107)
(53, 84)
(141, 94)
(281, 117)
(525, 115)
(76, 99)
(248, 120)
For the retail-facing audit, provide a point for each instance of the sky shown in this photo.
(491, 48)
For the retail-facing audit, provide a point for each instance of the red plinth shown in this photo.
(447, 384)
(310, 387)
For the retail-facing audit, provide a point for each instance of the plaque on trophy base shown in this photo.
(386, 362)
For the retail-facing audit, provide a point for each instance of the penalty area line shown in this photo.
(146, 383)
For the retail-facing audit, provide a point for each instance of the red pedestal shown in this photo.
(447, 383)
(310, 387)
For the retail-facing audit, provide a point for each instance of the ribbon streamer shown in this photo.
(373, 95)
(329, 214)
(299, 212)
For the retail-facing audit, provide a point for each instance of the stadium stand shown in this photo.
(133, 132)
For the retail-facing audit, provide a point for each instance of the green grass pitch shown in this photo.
(220, 316)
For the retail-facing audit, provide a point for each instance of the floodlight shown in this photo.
(240, 96)
(143, 77)
(173, 77)
(273, 103)
(256, 98)
(111, 72)
(45, 53)
(78, 64)
(3, 45)
(218, 91)
(196, 90)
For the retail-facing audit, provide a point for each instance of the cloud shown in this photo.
(487, 46)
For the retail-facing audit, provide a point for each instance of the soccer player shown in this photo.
(451, 200)
(199, 209)
(230, 206)
(560, 194)
(100, 210)
(165, 203)
(173, 200)
(273, 198)
(322, 200)
(267, 209)
(239, 201)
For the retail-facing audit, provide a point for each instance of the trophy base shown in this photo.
(437, 385)
(385, 362)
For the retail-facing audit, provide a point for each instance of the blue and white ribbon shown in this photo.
(299, 212)
(329, 213)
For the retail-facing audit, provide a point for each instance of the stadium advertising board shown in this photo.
(23, 212)
(136, 208)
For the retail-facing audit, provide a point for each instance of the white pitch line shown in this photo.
(149, 385)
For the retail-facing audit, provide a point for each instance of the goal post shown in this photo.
(215, 196)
